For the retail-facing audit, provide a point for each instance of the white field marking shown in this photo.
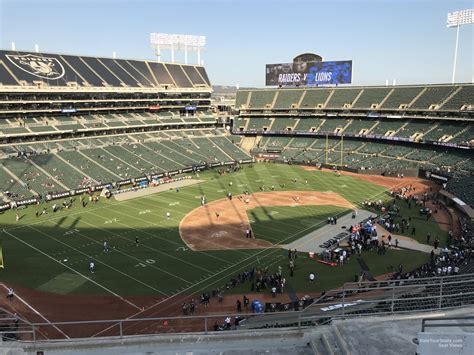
(35, 311)
(171, 230)
(344, 185)
(241, 185)
(144, 212)
(306, 222)
(218, 280)
(151, 197)
(101, 262)
(259, 180)
(271, 213)
(274, 247)
(147, 261)
(95, 207)
(71, 231)
(181, 249)
(173, 204)
(148, 247)
(221, 190)
(251, 221)
(73, 270)
(132, 257)
(110, 221)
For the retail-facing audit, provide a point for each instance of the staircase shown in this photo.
(357, 97)
(417, 97)
(400, 129)
(371, 128)
(386, 97)
(450, 97)
(301, 99)
(275, 98)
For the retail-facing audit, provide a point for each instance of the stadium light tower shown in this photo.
(174, 42)
(457, 19)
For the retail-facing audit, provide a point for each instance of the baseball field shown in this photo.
(184, 248)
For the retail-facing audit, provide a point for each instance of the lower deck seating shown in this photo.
(463, 188)
(69, 164)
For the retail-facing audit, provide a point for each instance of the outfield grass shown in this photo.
(35, 249)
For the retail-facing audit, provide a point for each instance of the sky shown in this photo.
(402, 40)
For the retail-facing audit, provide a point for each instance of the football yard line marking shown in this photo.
(132, 257)
(101, 206)
(171, 229)
(271, 250)
(150, 248)
(110, 204)
(73, 270)
(97, 207)
(101, 262)
(36, 311)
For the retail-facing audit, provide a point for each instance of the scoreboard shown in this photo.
(309, 73)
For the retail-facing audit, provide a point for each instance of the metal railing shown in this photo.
(443, 322)
(352, 300)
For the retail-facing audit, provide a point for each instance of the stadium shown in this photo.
(141, 214)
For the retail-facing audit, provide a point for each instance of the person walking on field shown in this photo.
(246, 302)
(10, 293)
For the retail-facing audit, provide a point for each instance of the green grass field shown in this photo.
(52, 253)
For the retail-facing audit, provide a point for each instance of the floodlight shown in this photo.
(458, 19)
(165, 41)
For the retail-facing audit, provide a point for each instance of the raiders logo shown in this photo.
(42, 67)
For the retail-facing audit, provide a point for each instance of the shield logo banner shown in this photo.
(37, 65)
